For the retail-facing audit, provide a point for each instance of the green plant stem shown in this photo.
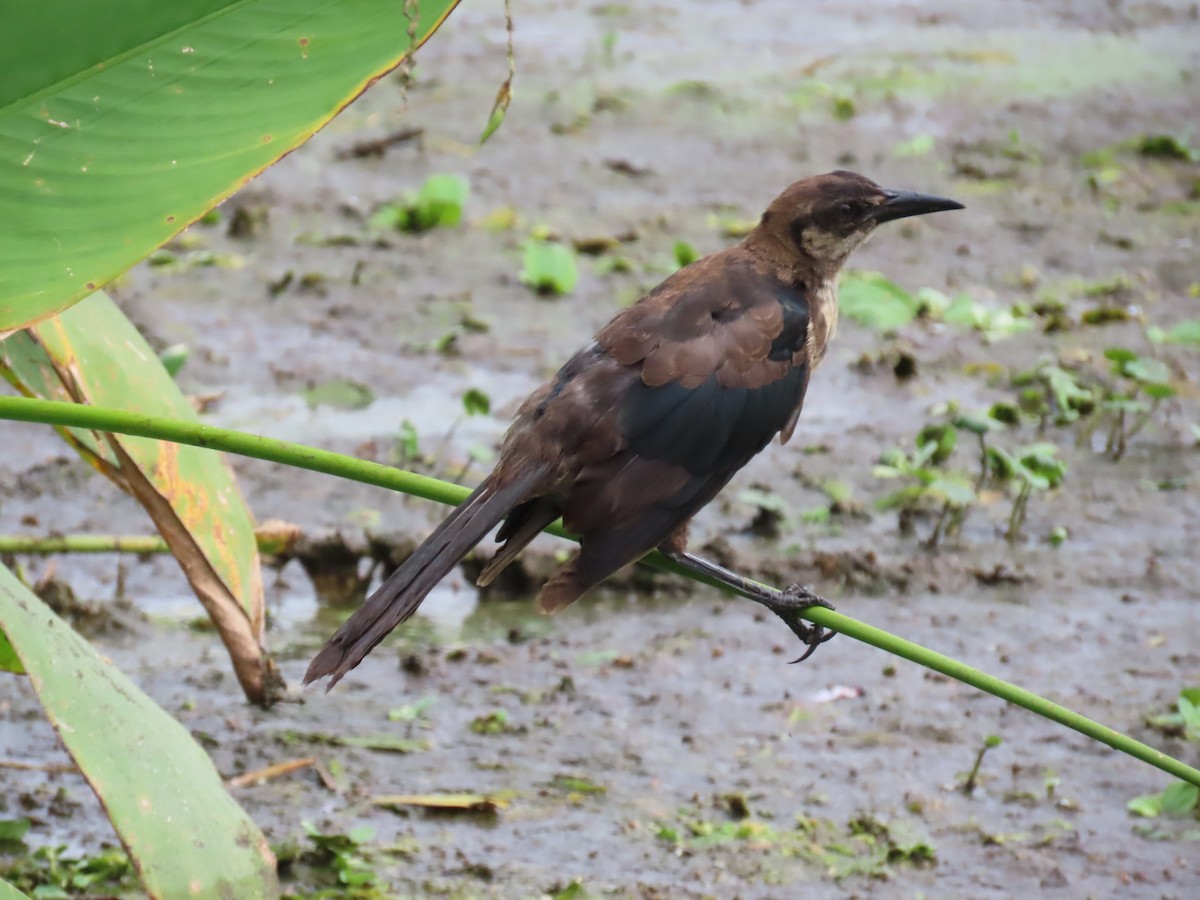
(50, 412)
(34, 545)
(82, 543)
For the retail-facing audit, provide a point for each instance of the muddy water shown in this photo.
(672, 700)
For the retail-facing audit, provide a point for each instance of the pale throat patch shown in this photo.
(833, 249)
(822, 320)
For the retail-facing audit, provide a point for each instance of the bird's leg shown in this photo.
(786, 603)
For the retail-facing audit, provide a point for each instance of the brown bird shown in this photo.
(646, 424)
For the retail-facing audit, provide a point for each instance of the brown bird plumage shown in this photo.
(644, 426)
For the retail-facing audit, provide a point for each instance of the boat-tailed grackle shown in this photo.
(646, 424)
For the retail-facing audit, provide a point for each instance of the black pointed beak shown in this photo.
(902, 204)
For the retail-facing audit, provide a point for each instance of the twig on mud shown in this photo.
(327, 779)
(54, 768)
(380, 146)
(266, 773)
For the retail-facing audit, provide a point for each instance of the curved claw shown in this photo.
(815, 638)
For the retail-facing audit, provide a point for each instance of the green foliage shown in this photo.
(1143, 383)
(577, 785)
(51, 873)
(410, 712)
(573, 891)
(1186, 332)
(343, 854)
(864, 846)
(876, 302)
(929, 485)
(438, 204)
(685, 254)
(993, 324)
(844, 108)
(880, 304)
(339, 393)
(407, 447)
(990, 742)
(171, 810)
(1185, 721)
(1035, 468)
(495, 722)
(920, 145)
(1167, 146)
(1123, 404)
(13, 830)
(476, 402)
(1178, 799)
(1053, 394)
(549, 268)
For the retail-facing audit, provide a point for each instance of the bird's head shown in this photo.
(816, 223)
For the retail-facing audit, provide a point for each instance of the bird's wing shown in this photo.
(718, 352)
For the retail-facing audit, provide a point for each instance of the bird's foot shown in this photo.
(792, 600)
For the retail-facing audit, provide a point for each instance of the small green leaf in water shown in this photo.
(339, 393)
(1147, 806)
(13, 830)
(549, 267)
(876, 302)
(577, 784)
(410, 712)
(476, 402)
(685, 254)
(440, 202)
(1167, 146)
(407, 447)
(844, 108)
(921, 145)
(1180, 798)
(493, 723)
(1187, 332)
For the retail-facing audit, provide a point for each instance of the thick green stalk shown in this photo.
(72, 415)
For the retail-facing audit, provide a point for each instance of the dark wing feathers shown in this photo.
(719, 348)
(710, 426)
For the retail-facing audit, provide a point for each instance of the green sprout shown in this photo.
(1035, 468)
(929, 486)
(1130, 405)
(438, 204)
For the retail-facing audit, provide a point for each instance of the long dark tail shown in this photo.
(400, 596)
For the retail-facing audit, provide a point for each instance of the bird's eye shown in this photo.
(845, 208)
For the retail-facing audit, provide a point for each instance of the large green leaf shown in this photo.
(8, 892)
(91, 353)
(121, 122)
(184, 833)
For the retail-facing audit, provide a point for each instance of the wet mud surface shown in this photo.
(652, 741)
